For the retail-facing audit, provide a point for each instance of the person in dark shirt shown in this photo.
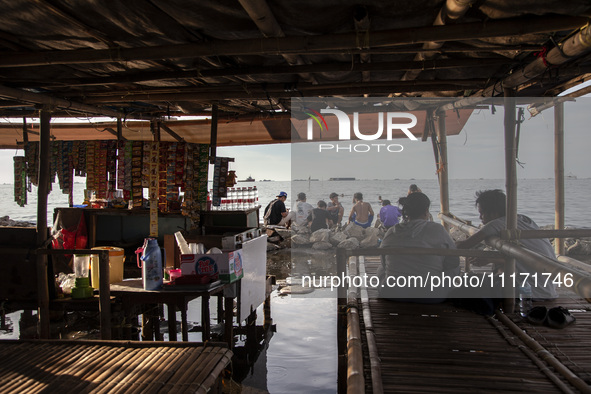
(275, 211)
(319, 217)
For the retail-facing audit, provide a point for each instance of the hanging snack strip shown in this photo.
(90, 181)
(79, 158)
(20, 180)
(53, 163)
(101, 170)
(153, 185)
(112, 164)
(32, 158)
(220, 173)
(188, 179)
(147, 147)
(162, 165)
(202, 175)
(136, 175)
(121, 164)
(172, 190)
(179, 164)
(128, 159)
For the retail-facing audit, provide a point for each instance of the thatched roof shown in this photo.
(155, 59)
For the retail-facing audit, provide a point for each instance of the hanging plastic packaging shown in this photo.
(151, 264)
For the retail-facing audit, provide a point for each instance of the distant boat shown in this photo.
(341, 179)
(249, 179)
(570, 176)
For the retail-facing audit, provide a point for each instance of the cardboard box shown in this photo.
(231, 268)
(227, 266)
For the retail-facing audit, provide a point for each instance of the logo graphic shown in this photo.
(394, 121)
(206, 266)
(315, 115)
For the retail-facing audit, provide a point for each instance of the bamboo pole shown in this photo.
(575, 263)
(452, 10)
(580, 278)
(559, 174)
(528, 234)
(300, 44)
(42, 192)
(545, 355)
(533, 357)
(372, 347)
(510, 186)
(443, 167)
(355, 379)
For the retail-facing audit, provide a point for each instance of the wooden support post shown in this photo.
(155, 127)
(184, 323)
(442, 170)
(25, 131)
(119, 129)
(510, 185)
(559, 175)
(229, 321)
(105, 295)
(42, 191)
(171, 307)
(213, 140)
(205, 323)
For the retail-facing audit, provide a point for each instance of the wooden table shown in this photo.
(132, 293)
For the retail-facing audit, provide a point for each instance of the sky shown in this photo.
(476, 152)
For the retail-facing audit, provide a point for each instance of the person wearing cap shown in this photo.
(276, 211)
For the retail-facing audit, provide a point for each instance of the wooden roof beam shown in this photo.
(300, 44)
(38, 98)
(263, 17)
(307, 68)
(254, 91)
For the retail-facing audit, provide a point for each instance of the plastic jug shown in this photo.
(151, 264)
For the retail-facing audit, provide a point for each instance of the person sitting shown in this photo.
(491, 205)
(361, 213)
(416, 231)
(389, 214)
(275, 211)
(335, 208)
(413, 189)
(301, 210)
(319, 217)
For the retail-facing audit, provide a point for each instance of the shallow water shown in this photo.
(301, 355)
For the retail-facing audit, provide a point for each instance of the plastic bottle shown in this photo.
(525, 299)
(250, 200)
(232, 200)
(256, 196)
(152, 274)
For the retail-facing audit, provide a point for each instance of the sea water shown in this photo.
(301, 355)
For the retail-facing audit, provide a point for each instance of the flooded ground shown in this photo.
(299, 357)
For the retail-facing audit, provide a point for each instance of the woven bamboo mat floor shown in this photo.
(442, 348)
(109, 367)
